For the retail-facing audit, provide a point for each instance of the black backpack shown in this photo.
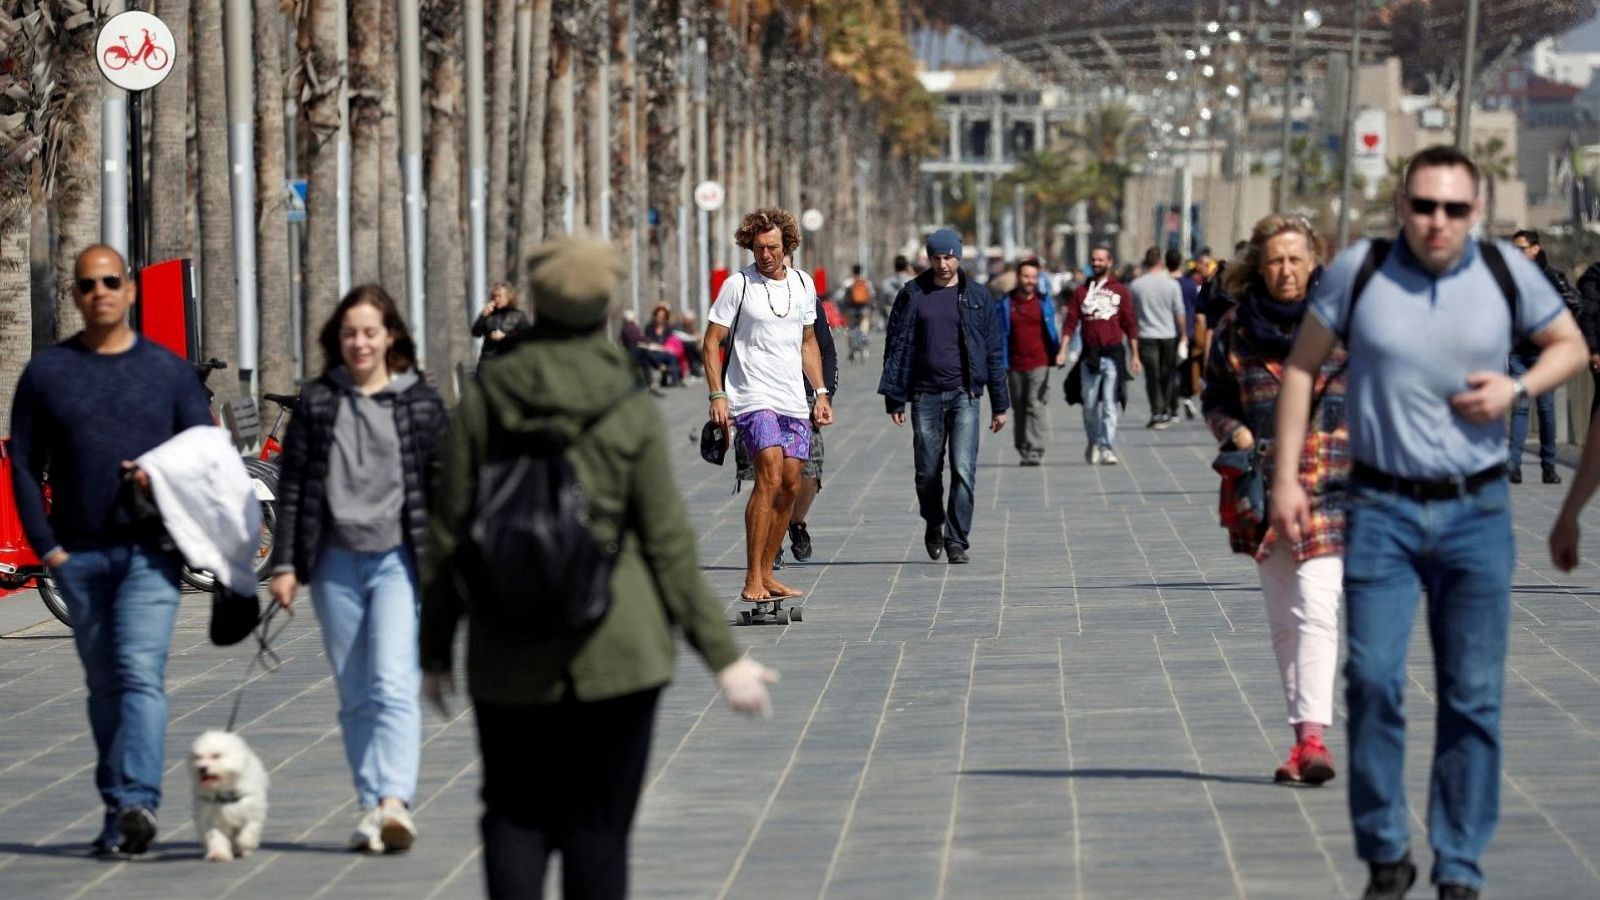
(527, 556)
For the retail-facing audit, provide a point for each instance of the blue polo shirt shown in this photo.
(1414, 339)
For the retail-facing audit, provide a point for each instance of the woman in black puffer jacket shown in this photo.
(352, 517)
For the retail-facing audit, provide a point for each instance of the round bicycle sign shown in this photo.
(135, 50)
(811, 220)
(708, 195)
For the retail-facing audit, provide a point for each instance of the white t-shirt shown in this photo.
(766, 372)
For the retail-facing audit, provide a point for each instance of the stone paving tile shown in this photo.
(1089, 710)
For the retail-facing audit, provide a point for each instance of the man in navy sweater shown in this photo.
(84, 409)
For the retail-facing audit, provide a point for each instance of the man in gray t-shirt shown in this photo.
(1158, 300)
(1428, 506)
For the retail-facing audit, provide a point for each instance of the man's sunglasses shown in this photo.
(1455, 209)
(112, 283)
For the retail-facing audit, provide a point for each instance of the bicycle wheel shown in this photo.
(156, 59)
(115, 58)
(53, 598)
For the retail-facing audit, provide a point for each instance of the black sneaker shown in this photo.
(137, 826)
(956, 555)
(1551, 476)
(933, 540)
(109, 840)
(1457, 892)
(1514, 476)
(1391, 880)
(1154, 421)
(777, 561)
(799, 541)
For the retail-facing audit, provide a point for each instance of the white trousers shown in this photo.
(1303, 612)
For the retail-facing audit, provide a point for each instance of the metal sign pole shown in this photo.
(137, 251)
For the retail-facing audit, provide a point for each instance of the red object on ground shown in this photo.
(168, 308)
(835, 318)
(14, 548)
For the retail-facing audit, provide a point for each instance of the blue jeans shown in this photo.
(1100, 403)
(938, 421)
(1519, 366)
(367, 604)
(124, 601)
(1461, 552)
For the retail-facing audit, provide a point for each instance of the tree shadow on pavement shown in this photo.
(1124, 774)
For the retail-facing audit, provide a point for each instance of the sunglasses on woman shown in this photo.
(1455, 209)
(112, 283)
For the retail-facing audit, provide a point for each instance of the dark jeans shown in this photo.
(940, 422)
(1461, 553)
(1519, 365)
(1159, 356)
(124, 602)
(562, 777)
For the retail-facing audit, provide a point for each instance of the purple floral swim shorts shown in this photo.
(764, 428)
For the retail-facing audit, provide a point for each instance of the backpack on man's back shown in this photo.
(859, 292)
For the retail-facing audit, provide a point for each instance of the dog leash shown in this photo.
(268, 657)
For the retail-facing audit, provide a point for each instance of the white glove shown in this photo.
(745, 684)
(1183, 350)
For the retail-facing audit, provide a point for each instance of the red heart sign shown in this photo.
(1370, 139)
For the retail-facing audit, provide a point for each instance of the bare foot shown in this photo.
(754, 589)
(777, 589)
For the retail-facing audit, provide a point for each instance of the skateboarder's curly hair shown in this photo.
(764, 220)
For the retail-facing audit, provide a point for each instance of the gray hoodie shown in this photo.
(366, 486)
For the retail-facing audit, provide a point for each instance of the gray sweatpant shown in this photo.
(1028, 416)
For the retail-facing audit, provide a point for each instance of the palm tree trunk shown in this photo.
(502, 75)
(170, 236)
(597, 114)
(319, 103)
(72, 147)
(273, 288)
(535, 151)
(366, 141)
(391, 193)
(557, 114)
(219, 329)
(18, 148)
(446, 317)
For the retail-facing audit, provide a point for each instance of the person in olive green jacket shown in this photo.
(564, 723)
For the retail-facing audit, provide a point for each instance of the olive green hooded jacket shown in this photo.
(553, 384)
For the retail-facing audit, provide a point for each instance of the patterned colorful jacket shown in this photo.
(1242, 390)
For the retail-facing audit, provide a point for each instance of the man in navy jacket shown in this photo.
(941, 353)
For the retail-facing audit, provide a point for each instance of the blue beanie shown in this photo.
(945, 241)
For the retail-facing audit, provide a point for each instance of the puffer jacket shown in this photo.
(579, 392)
(982, 354)
(419, 421)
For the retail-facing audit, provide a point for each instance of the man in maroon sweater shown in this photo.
(1104, 308)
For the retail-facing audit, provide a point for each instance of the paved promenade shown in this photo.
(1088, 710)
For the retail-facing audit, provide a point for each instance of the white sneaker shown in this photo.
(399, 832)
(368, 836)
(1107, 458)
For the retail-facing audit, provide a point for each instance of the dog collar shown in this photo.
(223, 799)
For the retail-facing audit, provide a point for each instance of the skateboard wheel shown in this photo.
(744, 616)
(795, 614)
(782, 617)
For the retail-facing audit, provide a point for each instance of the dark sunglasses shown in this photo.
(112, 283)
(1455, 209)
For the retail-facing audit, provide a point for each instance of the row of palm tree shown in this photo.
(586, 131)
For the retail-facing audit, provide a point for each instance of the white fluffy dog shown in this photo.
(230, 795)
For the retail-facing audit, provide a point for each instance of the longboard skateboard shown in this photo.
(770, 612)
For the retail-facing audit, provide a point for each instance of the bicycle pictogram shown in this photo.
(148, 55)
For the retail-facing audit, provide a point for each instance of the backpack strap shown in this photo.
(1496, 262)
(1377, 252)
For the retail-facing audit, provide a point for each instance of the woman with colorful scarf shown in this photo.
(1301, 581)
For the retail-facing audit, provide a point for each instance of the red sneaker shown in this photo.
(1316, 764)
(1289, 772)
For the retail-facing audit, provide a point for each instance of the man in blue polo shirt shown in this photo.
(1428, 507)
